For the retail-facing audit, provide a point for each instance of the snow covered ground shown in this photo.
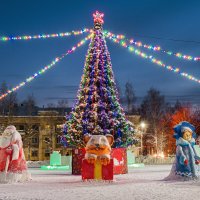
(140, 184)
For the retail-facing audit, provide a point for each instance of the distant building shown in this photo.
(41, 133)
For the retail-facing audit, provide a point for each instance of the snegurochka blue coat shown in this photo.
(185, 151)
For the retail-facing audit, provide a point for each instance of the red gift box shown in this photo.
(119, 160)
(119, 156)
(97, 171)
(77, 157)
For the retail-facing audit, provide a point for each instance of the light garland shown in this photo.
(44, 69)
(151, 47)
(120, 39)
(45, 36)
(153, 59)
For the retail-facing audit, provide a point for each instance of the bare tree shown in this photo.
(196, 121)
(51, 129)
(30, 131)
(153, 109)
(8, 105)
(130, 97)
(3, 102)
(51, 105)
(178, 105)
(62, 105)
(158, 140)
(29, 105)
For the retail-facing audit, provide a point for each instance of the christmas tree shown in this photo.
(97, 110)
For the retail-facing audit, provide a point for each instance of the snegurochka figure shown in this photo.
(187, 162)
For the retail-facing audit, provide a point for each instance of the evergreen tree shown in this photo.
(97, 109)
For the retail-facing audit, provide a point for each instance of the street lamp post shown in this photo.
(142, 125)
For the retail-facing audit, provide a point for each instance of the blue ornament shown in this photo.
(119, 133)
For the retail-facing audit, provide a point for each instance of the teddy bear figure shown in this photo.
(13, 166)
(187, 161)
(98, 147)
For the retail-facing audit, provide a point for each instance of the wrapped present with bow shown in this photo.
(97, 163)
(97, 171)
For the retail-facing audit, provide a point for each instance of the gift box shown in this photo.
(97, 171)
(77, 157)
(118, 155)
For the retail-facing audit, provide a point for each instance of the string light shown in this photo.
(45, 36)
(47, 67)
(151, 47)
(153, 59)
(120, 39)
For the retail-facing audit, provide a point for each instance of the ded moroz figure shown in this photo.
(13, 166)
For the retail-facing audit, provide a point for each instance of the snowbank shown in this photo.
(151, 160)
(140, 184)
(37, 164)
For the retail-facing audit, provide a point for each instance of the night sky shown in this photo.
(172, 24)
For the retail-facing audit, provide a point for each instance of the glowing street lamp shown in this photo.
(142, 126)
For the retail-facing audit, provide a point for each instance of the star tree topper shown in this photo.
(98, 17)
